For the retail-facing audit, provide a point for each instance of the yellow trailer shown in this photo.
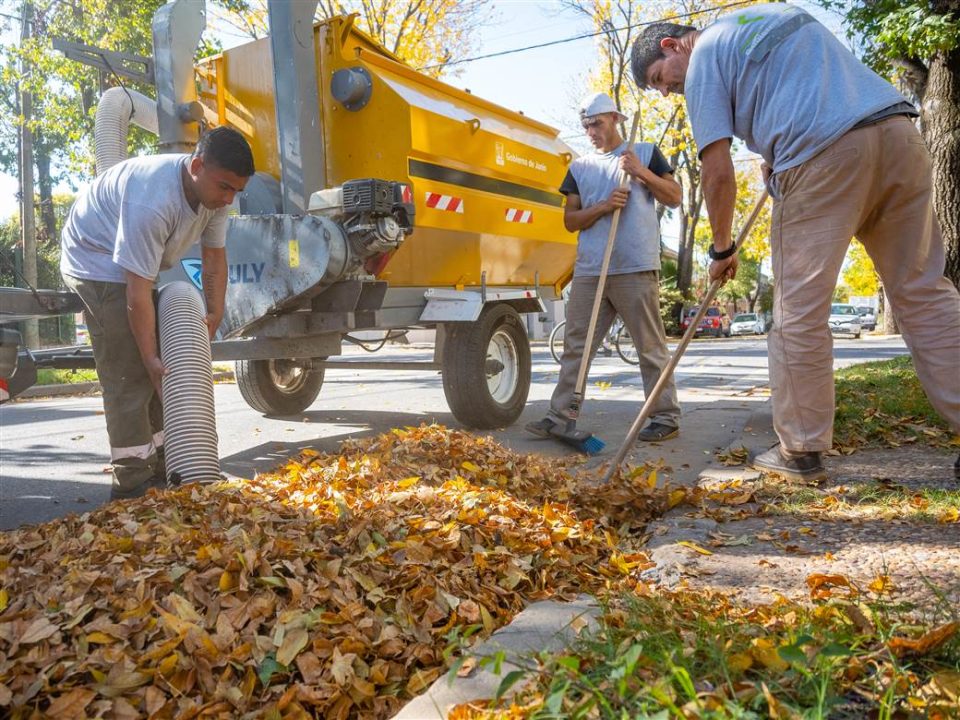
(384, 200)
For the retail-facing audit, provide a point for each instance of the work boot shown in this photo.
(657, 432)
(805, 467)
(119, 493)
(540, 428)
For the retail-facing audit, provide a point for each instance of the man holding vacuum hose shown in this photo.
(136, 219)
(592, 187)
(846, 159)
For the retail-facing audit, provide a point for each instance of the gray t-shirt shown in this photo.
(637, 243)
(136, 217)
(776, 78)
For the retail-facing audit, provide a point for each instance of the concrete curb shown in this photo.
(87, 388)
(543, 626)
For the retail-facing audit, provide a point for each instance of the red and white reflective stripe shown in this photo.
(520, 216)
(407, 194)
(449, 203)
(4, 391)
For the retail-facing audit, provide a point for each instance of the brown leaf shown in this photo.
(902, 647)
(72, 705)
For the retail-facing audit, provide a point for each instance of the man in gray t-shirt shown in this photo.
(842, 157)
(133, 221)
(592, 187)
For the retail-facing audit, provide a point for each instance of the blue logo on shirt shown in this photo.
(192, 267)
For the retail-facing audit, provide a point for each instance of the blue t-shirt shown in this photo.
(779, 80)
(637, 244)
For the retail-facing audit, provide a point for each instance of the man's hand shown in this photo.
(156, 370)
(212, 320)
(617, 200)
(632, 166)
(725, 269)
(766, 171)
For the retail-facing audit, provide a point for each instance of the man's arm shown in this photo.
(719, 183)
(577, 218)
(142, 316)
(214, 273)
(665, 189)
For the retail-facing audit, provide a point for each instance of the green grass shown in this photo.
(871, 499)
(883, 404)
(689, 655)
(47, 376)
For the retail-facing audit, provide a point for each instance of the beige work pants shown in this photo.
(875, 183)
(636, 297)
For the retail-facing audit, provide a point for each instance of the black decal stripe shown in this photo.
(429, 171)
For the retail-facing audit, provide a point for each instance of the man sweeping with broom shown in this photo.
(632, 288)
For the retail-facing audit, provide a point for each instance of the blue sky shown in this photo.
(545, 83)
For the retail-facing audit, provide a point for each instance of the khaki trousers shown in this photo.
(131, 406)
(874, 183)
(636, 298)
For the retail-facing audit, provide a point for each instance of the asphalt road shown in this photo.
(54, 452)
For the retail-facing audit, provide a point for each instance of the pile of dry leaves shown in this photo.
(328, 588)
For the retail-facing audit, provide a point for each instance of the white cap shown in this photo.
(598, 104)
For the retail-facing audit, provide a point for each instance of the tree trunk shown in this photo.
(941, 123)
(47, 232)
(31, 333)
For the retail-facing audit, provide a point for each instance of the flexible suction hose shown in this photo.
(189, 421)
(118, 107)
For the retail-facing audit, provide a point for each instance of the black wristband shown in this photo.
(724, 254)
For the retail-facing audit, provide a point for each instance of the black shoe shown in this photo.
(657, 432)
(118, 493)
(956, 468)
(804, 467)
(540, 428)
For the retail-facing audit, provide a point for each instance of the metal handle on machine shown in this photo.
(601, 283)
(667, 372)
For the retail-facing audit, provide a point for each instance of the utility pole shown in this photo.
(28, 227)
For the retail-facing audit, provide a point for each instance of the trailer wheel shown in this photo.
(278, 387)
(486, 368)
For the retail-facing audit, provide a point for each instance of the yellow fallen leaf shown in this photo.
(950, 515)
(925, 644)
(4, 600)
(764, 651)
(693, 546)
(739, 662)
(100, 638)
(467, 465)
(881, 584)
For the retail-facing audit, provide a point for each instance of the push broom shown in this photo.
(667, 372)
(584, 441)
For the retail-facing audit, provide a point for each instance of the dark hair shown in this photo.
(227, 149)
(646, 48)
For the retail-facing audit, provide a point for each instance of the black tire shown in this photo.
(479, 396)
(856, 336)
(277, 387)
(626, 348)
(556, 341)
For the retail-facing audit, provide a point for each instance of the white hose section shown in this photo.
(189, 421)
(115, 111)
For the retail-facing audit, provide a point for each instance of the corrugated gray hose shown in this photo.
(189, 421)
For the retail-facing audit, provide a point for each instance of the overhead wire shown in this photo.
(584, 36)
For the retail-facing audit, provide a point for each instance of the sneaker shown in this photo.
(657, 432)
(540, 428)
(802, 466)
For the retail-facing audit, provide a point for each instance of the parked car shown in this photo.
(747, 324)
(716, 322)
(845, 320)
(83, 335)
(868, 318)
